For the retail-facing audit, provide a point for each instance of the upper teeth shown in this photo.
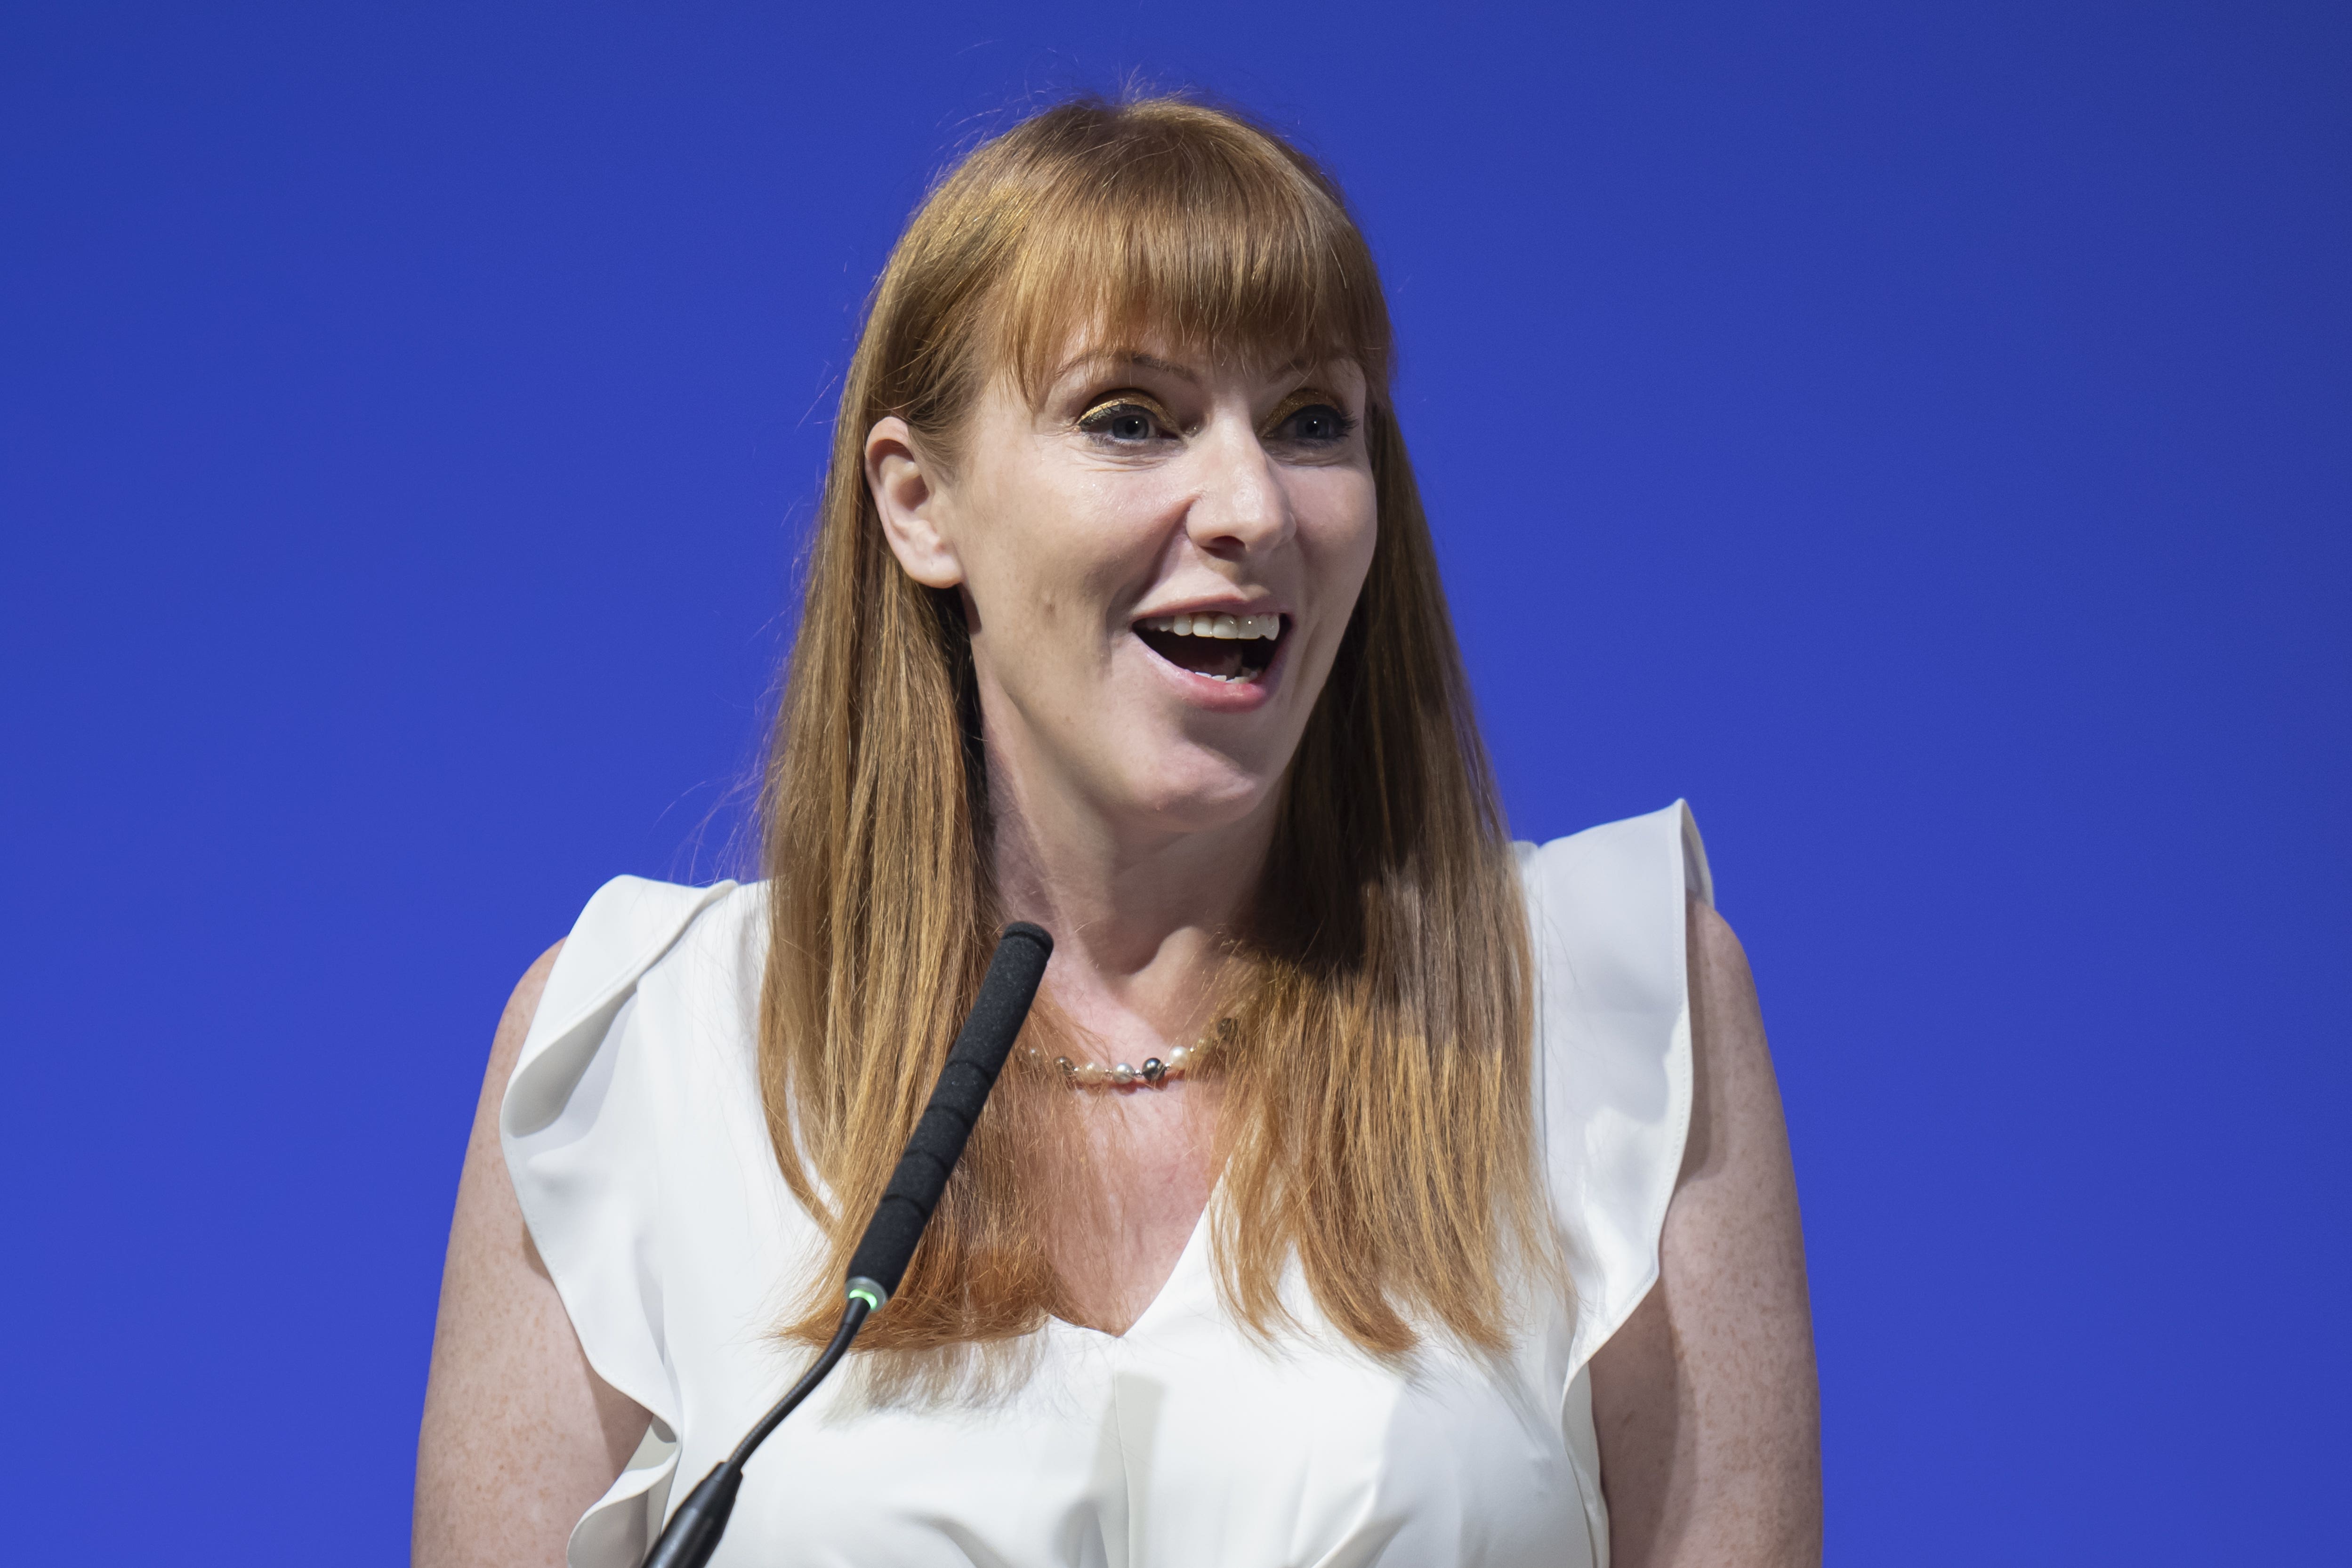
(1244, 626)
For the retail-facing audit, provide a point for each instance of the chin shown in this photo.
(1186, 796)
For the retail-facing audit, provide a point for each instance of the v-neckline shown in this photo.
(1196, 1241)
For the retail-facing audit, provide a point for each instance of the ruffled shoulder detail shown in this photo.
(576, 1125)
(1606, 914)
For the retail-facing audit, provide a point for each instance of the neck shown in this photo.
(1139, 910)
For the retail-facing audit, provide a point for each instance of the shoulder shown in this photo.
(1731, 1061)
(591, 1101)
(1606, 909)
(514, 1022)
(1736, 1120)
(1611, 923)
(1619, 858)
(629, 924)
(628, 929)
(1721, 983)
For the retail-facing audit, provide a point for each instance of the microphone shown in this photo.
(888, 1245)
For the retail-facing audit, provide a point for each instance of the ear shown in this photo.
(908, 494)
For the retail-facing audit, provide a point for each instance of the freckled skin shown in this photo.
(1705, 1402)
(520, 1436)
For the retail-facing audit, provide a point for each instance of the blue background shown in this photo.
(1919, 436)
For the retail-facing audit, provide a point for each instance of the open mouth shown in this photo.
(1231, 648)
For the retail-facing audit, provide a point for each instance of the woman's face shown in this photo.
(1157, 564)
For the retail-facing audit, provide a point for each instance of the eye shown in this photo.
(1318, 423)
(1310, 418)
(1124, 420)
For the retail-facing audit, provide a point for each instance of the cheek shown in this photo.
(1337, 511)
(1050, 550)
(1088, 544)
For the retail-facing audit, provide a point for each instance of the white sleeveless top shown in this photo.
(634, 1134)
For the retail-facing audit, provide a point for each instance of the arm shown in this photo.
(519, 1435)
(1705, 1402)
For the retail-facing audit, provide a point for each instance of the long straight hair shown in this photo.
(1376, 1121)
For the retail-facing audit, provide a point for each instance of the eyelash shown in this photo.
(1343, 422)
(1097, 419)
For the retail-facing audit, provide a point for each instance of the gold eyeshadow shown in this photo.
(1144, 400)
(1305, 397)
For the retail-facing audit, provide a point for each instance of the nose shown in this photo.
(1241, 507)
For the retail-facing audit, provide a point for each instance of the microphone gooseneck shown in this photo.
(888, 1245)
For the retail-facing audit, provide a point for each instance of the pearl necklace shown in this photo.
(1183, 1060)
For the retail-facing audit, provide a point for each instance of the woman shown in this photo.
(1365, 1187)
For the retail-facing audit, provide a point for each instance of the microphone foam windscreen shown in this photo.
(972, 1065)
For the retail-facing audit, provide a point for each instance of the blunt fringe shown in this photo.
(1377, 1116)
